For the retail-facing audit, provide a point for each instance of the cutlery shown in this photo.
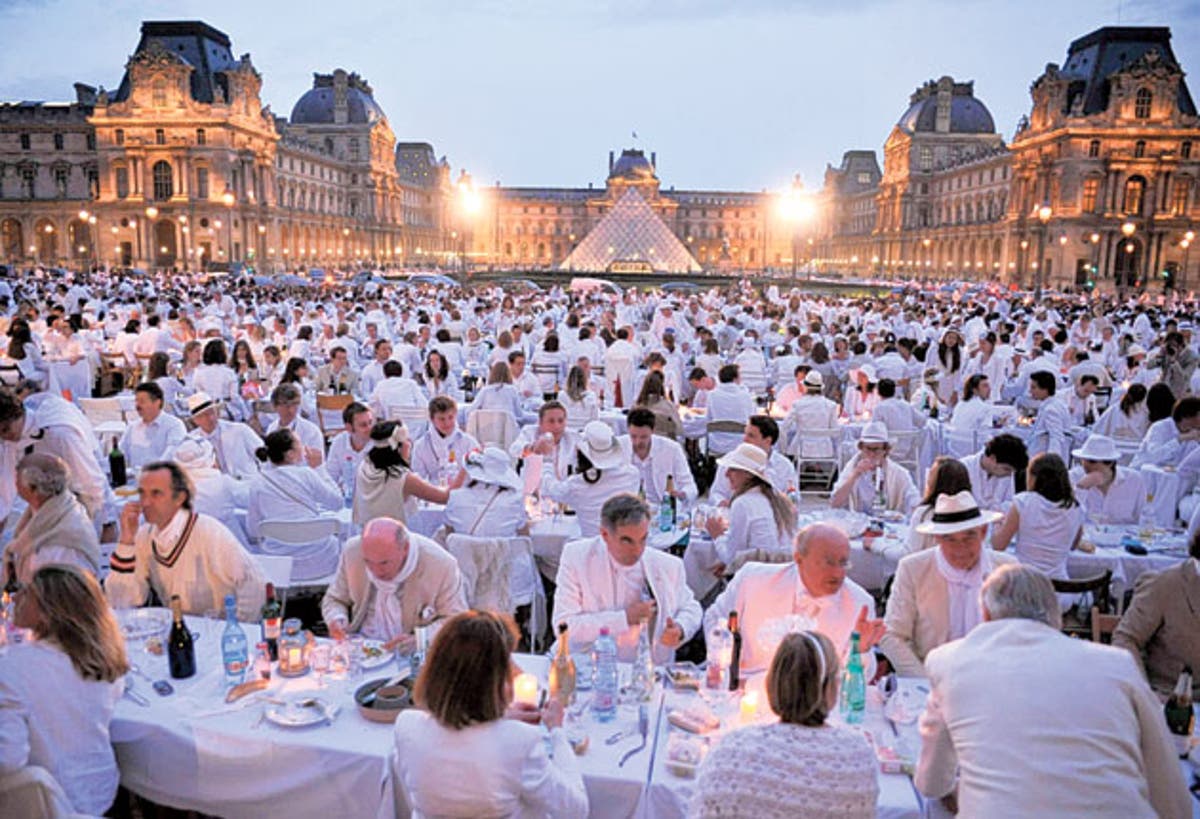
(617, 737)
(161, 687)
(644, 729)
(130, 694)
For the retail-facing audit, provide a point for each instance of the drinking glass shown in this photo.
(339, 658)
(319, 658)
(355, 670)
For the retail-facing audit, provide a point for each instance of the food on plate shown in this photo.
(696, 719)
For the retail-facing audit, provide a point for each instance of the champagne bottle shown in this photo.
(673, 500)
(1181, 720)
(562, 669)
(735, 657)
(181, 653)
(272, 617)
(116, 466)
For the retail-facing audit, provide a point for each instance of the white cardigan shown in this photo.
(52, 718)
(488, 771)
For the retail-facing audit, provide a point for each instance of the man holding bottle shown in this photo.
(613, 581)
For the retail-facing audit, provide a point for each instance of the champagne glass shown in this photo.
(319, 659)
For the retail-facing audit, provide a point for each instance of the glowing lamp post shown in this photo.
(1043, 214)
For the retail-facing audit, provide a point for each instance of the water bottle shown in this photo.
(853, 700)
(666, 514)
(604, 700)
(643, 664)
(234, 651)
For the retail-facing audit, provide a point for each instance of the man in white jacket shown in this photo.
(1092, 740)
(613, 580)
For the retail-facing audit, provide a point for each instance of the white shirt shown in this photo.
(235, 445)
(666, 458)
(1123, 501)
(751, 526)
(296, 492)
(728, 402)
(397, 391)
(53, 718)
(1046, 533)
(144, 442)
(780, 471)
(587, 498)
(991, 493)
(431, 452)
(974, 413)
(309, 433)
(343, 460)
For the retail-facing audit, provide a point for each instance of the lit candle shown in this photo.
(525, 689)
(749, 706)
(294, 658)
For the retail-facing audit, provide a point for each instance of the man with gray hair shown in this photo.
(54, 528)
(612, 580)
(388, 582)
(285, 400)
(1024, 721)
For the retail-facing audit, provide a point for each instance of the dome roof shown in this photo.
(316, 107)
(967, 116)
(632, 165)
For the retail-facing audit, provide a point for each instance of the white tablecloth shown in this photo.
(230, 765)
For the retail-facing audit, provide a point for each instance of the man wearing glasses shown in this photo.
(814, 586)
(873, 482)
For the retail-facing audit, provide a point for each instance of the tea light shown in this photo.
(525, 689)
(295, 657)
(749, 706)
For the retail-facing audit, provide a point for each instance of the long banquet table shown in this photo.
(192, 751)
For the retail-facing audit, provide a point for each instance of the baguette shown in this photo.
(239, 691)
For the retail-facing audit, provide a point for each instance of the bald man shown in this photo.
(813, 585)
(390, 581)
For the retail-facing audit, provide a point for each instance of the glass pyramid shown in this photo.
(630, 232)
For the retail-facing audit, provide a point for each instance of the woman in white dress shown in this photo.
(549, 365)
(1127, 420)
(58, 692)
(1045, 522)
(987, 363)
(518, 768)
(861, 398)
(215, 377)
(294, 486)
(581, 403)
(1108, 492)
(710, 360)
(500, 394)
(193, 352)
(948, 360)
(759, 517)
(801, 767)
(385, 480)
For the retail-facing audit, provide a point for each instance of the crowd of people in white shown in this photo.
(996, 426)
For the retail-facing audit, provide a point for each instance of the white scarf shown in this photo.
(962, 588)
(388, 613)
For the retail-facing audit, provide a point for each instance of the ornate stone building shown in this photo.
(540, 227)
(1098, 186)
(183, 166)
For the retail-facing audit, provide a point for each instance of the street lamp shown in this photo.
(228, 200)
(797, 208)
(1095, 240)
(1127, 230)
(1043, 214)
(151, 215)
(1186, 244)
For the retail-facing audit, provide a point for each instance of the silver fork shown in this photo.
(644, 729)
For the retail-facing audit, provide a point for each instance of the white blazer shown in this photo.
(486, 771)
(1032, 723)
(586, 597)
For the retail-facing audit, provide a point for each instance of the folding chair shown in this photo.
(108, 419)
(906, 450)
(817, 459)
(329, 413)
(415, 419)
(493, 427)
(722, 427)
(487, 565)
(300, 533)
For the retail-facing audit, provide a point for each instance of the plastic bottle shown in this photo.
(604, 698)
(643, 664)
(234, 652)
(854, 686)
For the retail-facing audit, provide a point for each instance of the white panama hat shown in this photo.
(748, 458)
(1098, 448)
(956, 513)
(600, 445)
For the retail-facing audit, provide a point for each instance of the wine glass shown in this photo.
(319, 659)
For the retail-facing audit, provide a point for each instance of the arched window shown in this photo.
(1180, 194)
(1141, 105)
(1139, 148)
(1094, 148)
(1135, 189)
(164, 183)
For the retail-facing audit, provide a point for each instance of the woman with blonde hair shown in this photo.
(464, 693)
(57, 694)
(581, 403)
(800, 766)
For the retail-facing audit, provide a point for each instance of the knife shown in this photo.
(129, 693)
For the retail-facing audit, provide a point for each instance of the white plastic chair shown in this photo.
(487, 569)
(108, 418)
(818, 450)
(277, 569)
(300, 533)
(415, 419)
(493, 427)
(906, 450)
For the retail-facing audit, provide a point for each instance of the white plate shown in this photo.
(291, 714)
(375, 660)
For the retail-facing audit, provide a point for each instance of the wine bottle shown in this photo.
(116, 466)
(181, 653)
(272, 617)
(735, 656)
(1181, 720)
(673, 500)
(562, 669)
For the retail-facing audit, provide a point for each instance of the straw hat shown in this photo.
(956, 513)
(874, 433)
(1098, 448)
(813, 378)
(748, 458)
(600, 446)
(1135, 349)
(492, 466)
(198, 402)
